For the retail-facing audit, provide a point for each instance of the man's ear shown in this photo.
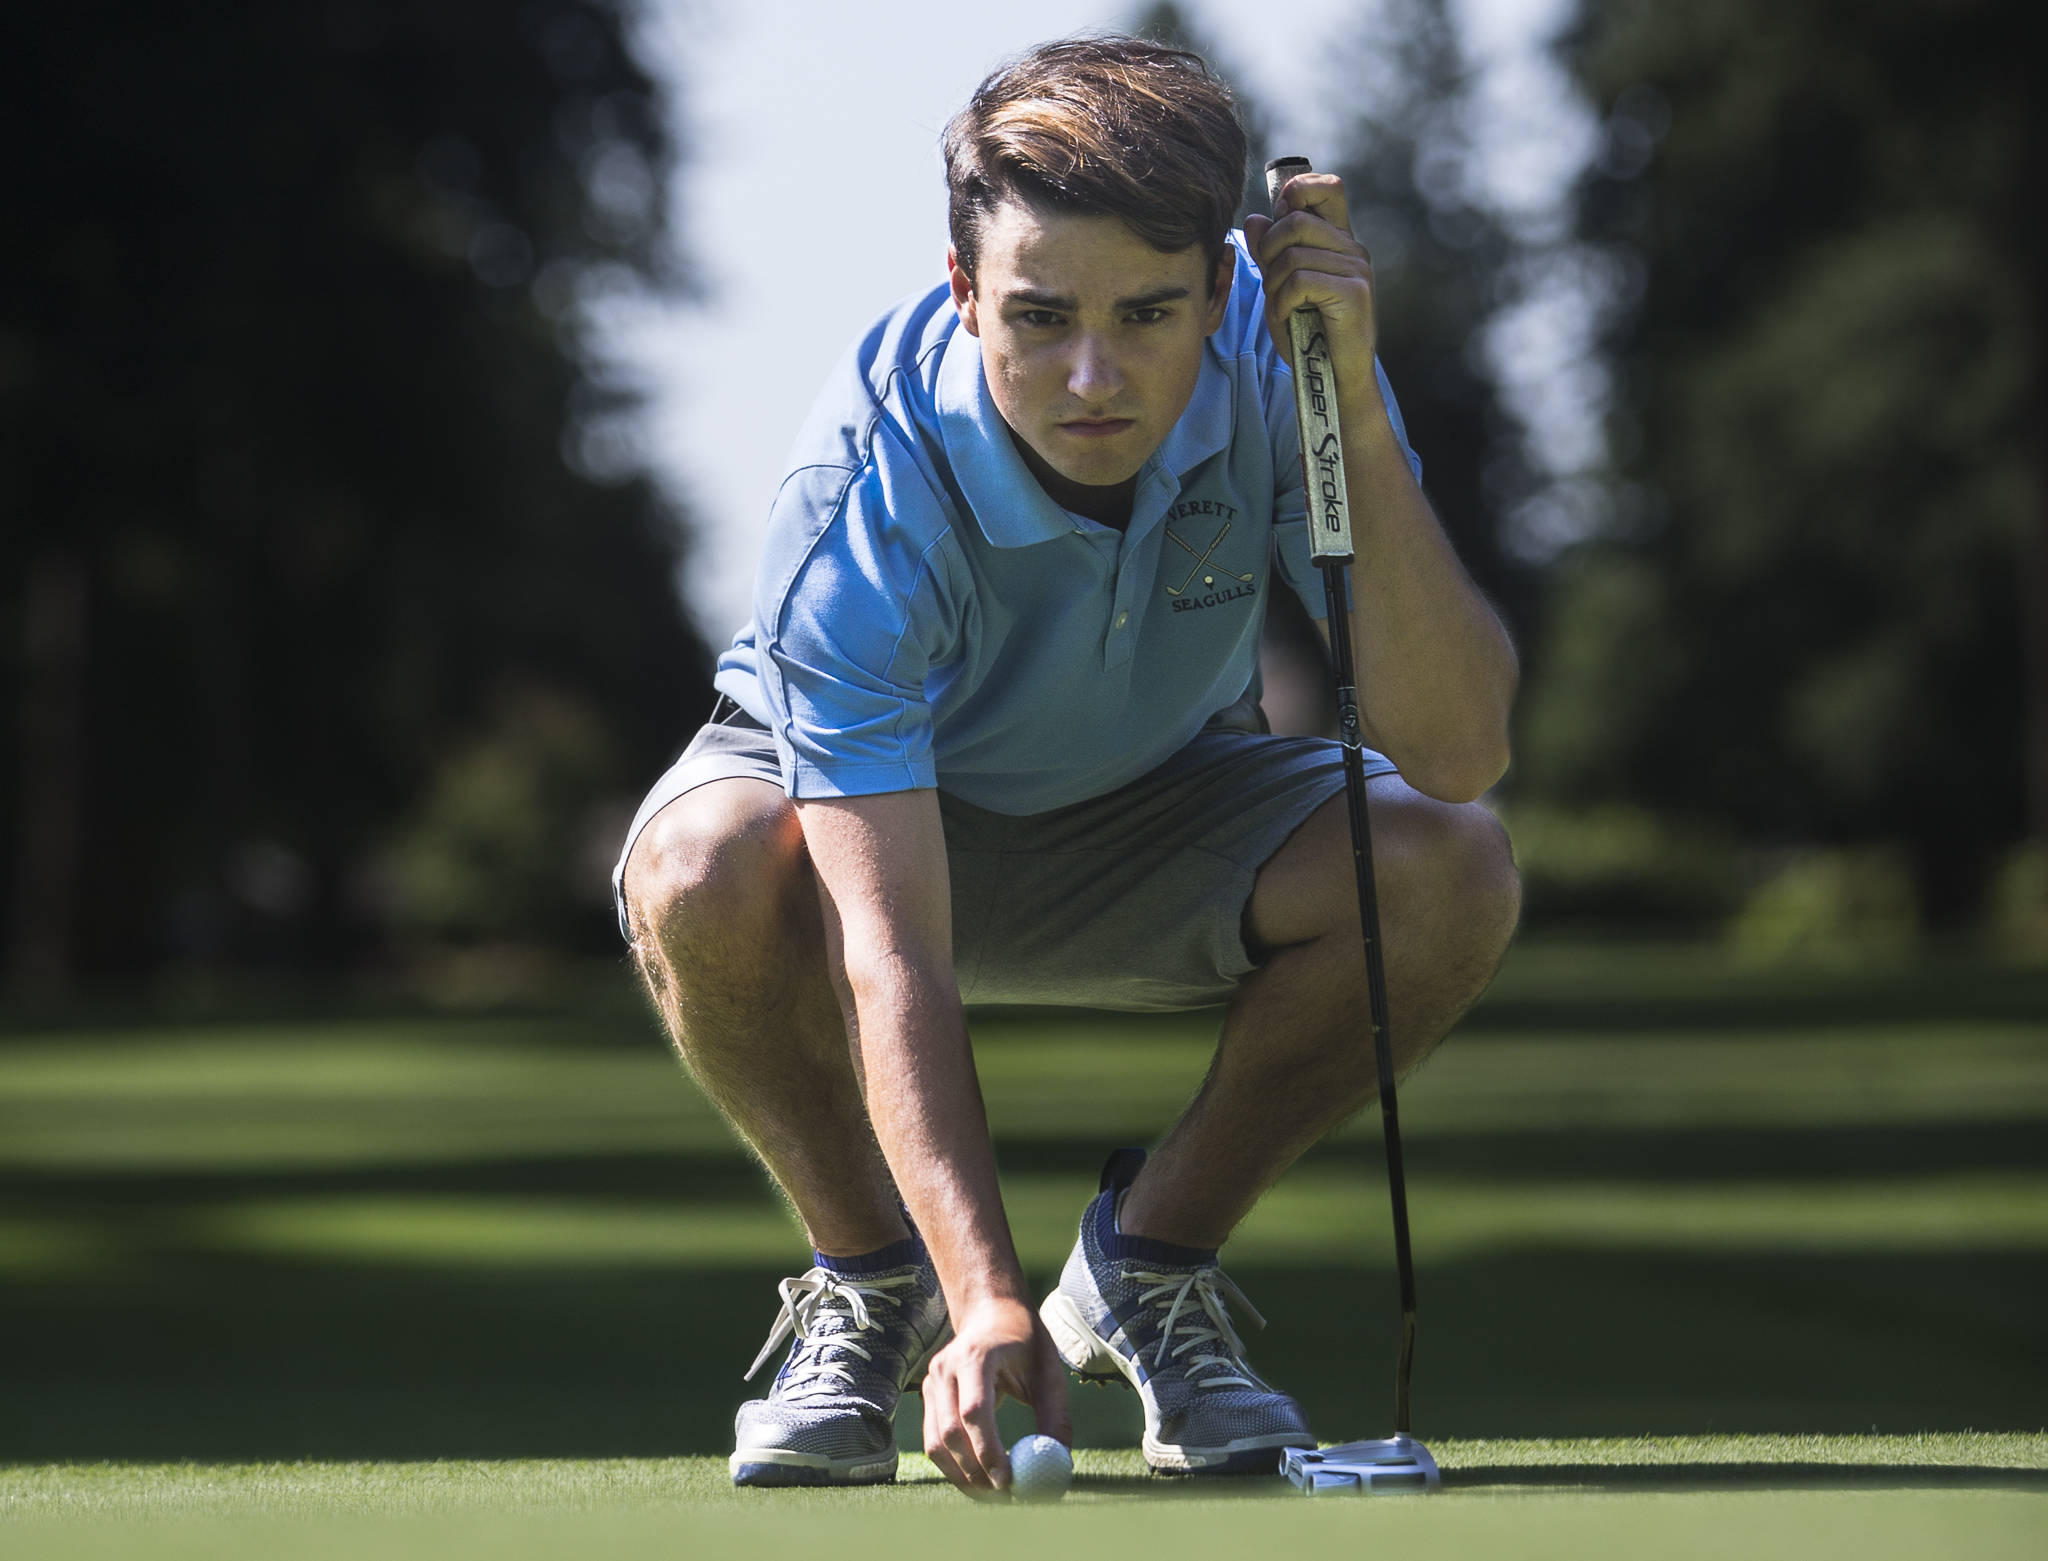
(963, 293)
(1219, 293)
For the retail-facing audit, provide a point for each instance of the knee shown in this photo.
(710, 869)
(1488, 884)
(1461, 867)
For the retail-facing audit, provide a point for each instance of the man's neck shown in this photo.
(1106, 506)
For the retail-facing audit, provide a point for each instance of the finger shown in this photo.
(978, 1421)
(943, 1462)
(938, 1396)
(969, 1446)
(1298, 271)
(1299, 230)
(971, 1476)
(1281, 260)
(1049, 1392)
(946, 1441)
(1325, 290)
(1320, 194)
(1283, 247)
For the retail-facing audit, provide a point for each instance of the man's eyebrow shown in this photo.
(1067, 304)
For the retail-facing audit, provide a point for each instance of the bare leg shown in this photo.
(728, 935)
(1296, 1055)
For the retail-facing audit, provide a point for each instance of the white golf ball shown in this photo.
(1041, 1469)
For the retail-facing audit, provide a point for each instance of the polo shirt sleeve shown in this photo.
(851, 596)
(1291, 548)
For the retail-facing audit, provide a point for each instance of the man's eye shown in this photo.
(1151, 316)
(1039, 317)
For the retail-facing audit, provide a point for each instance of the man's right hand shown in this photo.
(999, 1350)
(881, 862)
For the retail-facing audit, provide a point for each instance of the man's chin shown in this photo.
(1070, 475)
(1105, 471)
(1100, 482)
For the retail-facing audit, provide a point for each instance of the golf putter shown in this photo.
(1399, 1462)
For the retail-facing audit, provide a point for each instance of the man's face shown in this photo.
(1091, 340)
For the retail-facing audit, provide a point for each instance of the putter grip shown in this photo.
(1315, 411)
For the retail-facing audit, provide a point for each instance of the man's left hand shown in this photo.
(1309, 258)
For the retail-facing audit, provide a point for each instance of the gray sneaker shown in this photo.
(863, 1333)
(1139, 1312)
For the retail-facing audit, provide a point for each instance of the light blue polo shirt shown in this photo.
(926, 615)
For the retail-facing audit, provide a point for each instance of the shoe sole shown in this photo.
(1081, 1347)
(1090, 1357)
(783, 1467)
(776, 1467)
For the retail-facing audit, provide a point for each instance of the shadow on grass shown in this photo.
(675, 1178)
(214, 1358)
(1168, 1487)
(1585, 986)
(1598, 989)
(1745, 1477)
(1624, 1479)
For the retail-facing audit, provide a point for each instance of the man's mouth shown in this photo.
(1097, 427)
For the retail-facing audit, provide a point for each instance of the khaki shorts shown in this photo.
(1132, 901)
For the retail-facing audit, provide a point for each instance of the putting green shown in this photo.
(481, 1277)
(1866, 1498)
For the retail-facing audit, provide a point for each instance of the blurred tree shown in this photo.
(1439, 258)
(309, 488)
(1809, 621)
(1442, 267)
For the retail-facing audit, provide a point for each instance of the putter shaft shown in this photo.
(1336, 586)
(1327, 493)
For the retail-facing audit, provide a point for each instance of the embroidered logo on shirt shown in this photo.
(1205, 568)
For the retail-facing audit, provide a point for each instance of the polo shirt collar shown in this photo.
(1009, 505)
(1204, 428)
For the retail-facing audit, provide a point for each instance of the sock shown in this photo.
(897, 1254)
(1116, 1245)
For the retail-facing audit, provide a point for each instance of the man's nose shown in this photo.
(1093, 376)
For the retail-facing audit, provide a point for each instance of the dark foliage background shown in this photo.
(336, 633)
(1824, 614)
(325, 623)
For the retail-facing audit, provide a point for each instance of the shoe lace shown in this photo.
(1196, 1302)
(811, 1306)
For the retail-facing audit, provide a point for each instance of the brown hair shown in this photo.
(1111, 126)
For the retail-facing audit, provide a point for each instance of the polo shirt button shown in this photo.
(1122, 618)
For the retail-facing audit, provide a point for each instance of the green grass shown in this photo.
(1711, 1260)
(1104, 1477)
(1868, 1497)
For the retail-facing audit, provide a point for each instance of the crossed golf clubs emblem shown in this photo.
(1201, 559)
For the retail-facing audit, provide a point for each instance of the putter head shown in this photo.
(1395, 1465)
